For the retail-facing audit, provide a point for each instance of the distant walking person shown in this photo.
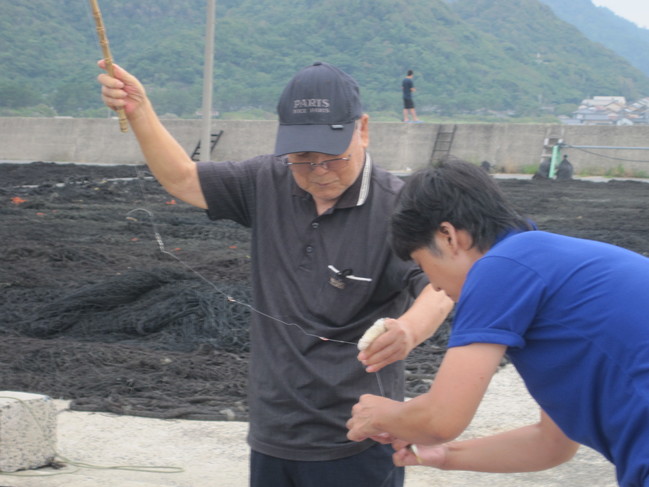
(408, 103)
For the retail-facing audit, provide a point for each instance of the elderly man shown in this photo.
(318, 209)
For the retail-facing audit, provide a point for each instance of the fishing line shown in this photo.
(161, 247)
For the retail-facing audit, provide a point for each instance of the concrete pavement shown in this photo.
(179, 453)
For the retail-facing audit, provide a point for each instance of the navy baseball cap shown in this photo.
(317, 111)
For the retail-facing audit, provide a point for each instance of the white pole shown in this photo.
(208, 79)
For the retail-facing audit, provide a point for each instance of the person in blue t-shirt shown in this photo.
(571, 314)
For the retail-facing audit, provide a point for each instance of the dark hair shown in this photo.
(409, 72)
(457, 192)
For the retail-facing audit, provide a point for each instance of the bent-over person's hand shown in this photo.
(430, 456)
(365, 414)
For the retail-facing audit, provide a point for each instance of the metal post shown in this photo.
(556, 154)
(208, 79)
(605, 147)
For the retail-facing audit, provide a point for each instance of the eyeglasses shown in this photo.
(330, 164)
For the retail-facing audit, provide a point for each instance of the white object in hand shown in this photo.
(413, 448)
(378, 328)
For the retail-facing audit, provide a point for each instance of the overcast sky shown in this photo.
(637, 11)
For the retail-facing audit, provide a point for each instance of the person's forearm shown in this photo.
(440, 415)
(427, 313)
(524, 449)
(165, 157)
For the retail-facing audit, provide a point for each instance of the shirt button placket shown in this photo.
(309, 248)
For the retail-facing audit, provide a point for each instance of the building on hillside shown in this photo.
(604, 102)
(609, 110)
(642, 103)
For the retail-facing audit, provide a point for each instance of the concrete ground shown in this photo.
(214, 454)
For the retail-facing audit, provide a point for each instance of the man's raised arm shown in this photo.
(165, 157)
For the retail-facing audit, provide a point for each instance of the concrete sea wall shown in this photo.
(395, 146)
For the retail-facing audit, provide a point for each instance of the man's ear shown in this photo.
(365, 130)
(447, 235)
(453, 238)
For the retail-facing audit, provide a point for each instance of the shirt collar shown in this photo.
(357, 193)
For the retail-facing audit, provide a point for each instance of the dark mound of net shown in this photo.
(121, 299)
(163, 309)
(93, 310)
(206, 384)
(158, 343)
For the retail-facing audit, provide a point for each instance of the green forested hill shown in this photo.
(601, 25)
(565, 66)
(505, 55)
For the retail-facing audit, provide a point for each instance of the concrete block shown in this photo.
(27, 431)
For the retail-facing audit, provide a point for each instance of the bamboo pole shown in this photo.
(108, 58)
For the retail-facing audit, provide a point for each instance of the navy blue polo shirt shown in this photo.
(329, 275)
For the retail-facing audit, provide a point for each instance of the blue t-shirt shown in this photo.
(574, 314)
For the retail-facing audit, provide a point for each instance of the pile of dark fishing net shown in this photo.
(123, 300)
